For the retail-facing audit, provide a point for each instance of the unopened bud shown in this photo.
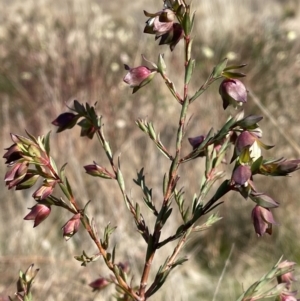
(233, 92)
(71, 227)
(38, 213)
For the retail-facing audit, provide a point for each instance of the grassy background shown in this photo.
(52, 52)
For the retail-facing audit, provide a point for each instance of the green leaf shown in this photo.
(141, 124)
(47, 143)
(256, 165)
(161, 65)
(225, 129)
(210, 221)
(53, 165)
(235, 67)
(79, 108)
(218, 70)
(186, 23)
(152, 133)
(28, 183)
(264, 200)
(113, 256)
(179, 261)
(120, 180)
(166, 215)
(69, 188)
(62, 174)
(222, 190)
(165, 183)
(229, 74)
(249, 121)
(31, 137)
(189, 71)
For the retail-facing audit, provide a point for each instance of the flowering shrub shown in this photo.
(29, 159)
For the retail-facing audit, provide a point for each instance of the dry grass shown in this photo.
(53, 52)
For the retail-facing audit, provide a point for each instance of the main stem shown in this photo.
(173, 178)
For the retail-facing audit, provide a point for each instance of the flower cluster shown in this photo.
(29, 160)
(24, 153)
(162, 24)
(244, 134)
(287, 278)
(249, 162)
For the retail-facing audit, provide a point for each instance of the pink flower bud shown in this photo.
(136, 75)
(262, 220)
(173, 36)
(16, 174)
(44, 191)
(65, 121)
(96, 170)
(71, 227)
(13, 154)
(245, 139)
(196, 141)
(241, 175)
(160, 22)
(162, 25)
(250, 141)
(99, 284)
(288, 277)
(288, 296)
(233, 92)
(38, 213)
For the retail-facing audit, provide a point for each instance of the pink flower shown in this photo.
(196, 141)
(136, 75)
(38, 213)
(233, 92)
(241, 175)
(288, 277)
(44, 191)
(99, 284)
(13, 154)
(248, 141)
(71, 227)
(163, 26)
(65, 121)
(262, 220)
(288, 296)
(16, 174)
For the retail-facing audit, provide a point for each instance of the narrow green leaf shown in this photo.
(53, 164)
(186, 23)
(152, 133)
(229, 74)
(165, 183)
(235, 67)
(113, 257)
(217, 72)
(47, 143)
(189, 71)
(256, 165)
(31, 137)
(69, 188)
(79, 108)
(161, 65)
(141, 124)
